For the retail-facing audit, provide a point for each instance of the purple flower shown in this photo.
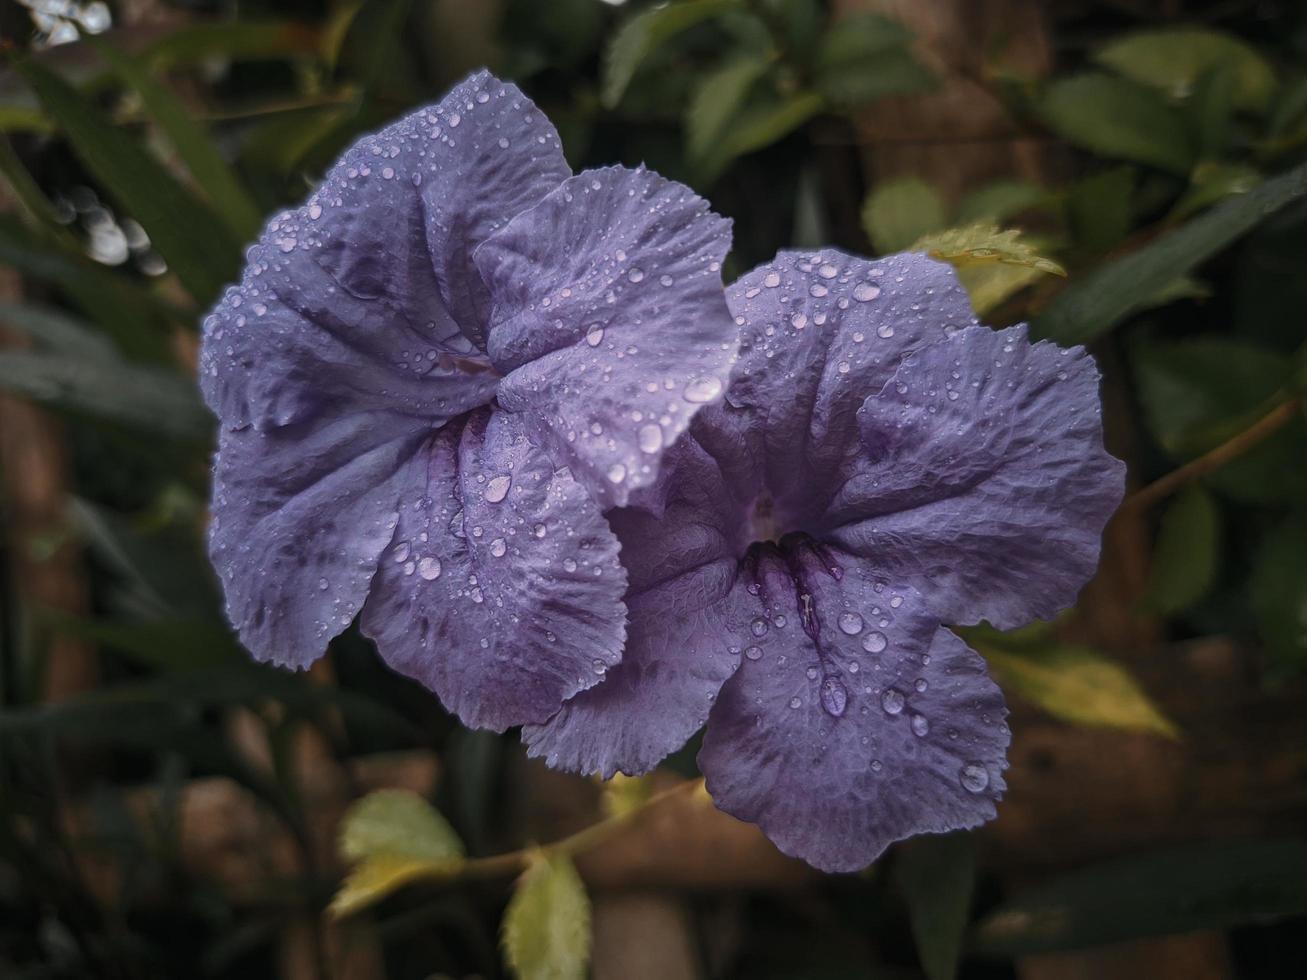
(433, 378)
(881, 465)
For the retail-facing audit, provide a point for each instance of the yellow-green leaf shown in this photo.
(1080, 686)
(395, 837)
(546, 931)
(625, 794)
(982, 244)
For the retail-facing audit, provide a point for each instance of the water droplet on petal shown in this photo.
(850, 623)
(920, 726)
(771, 280)
(892, 701)
(650, 438)
(753, 652)
(635, 275)
(702, 390)
(834, 696)
(616, 473)
(795, 701)
(974, 777)
(864, 292)
(429, 568)
(497, 489)
(498, 547)
(874, 642)
(758, 627)
(594, 336)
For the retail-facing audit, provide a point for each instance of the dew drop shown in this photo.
(892, 701)
(497, 489)
(874, 642)
(795, 701)
(850, 623)
(702, 390)
(920, 726)
(650, 438)
(834, 696)
(864, 291)
(429, 568)
(753, 652)
(616, 473)
(974, 777)
(758, 627)
(400, 553)
(772, 280)
(594, 336)
(569, 564)
(885, 331)
(498, 547)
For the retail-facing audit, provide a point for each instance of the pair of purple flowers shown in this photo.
(509, 418)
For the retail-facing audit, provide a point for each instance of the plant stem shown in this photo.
(1214, 459)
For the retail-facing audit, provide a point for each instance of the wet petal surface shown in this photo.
(859, 722)
(609, 322)
(501, 590)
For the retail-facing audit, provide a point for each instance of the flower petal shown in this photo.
(609, 321)
(821, 331)
(300, 516)
(859, 723)
(685, 634)
(502, 591)
(984, 482)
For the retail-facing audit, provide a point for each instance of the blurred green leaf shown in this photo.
(1187, 552)
(756, 127)
(1289, 110)
(1196, 393)
(237, 40)
(1098, 209)
(177, 644)
(57, 331)
(1078, 685)
(624, 795)
(150, 399)
(1213, 885)
(984, 244)
(647, 31)
(1211, 112)
(937, 876)
(195, 244)
(901, 211)
(1117, 118)
(394, 837)
(717, 102)
(998, 201)
(1278, 594)
(546, 932)
(1214, 182)
(231, 201)
(1173, 60)
(1096, 302)
(866, 57)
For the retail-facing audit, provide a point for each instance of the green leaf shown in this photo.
(1173, 60)
(999, 201)
(937, 876)
(866, 57)
(624, 795)
(150, 399)
(1116, 118)
(644, 33)
(1199, 392)
(899, 212)
(717, 101)
(1212, 183)
(238, 40)
(1189, 889)
(756, 127)
(546, 932)
(1078, 685)
(197, 246)
(196, 148)
(1279, 594)
(57, 331)
(394, 837)
(1098, 209)
(1096, 302)
(1187, 552)
(984, 244)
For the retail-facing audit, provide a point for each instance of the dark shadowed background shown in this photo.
(170, 809)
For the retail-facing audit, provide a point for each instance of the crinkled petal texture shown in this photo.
(896, 467)
(687, 625)
(609, 321)
(854, 721)
(983, 480)
(502, 591)
(350, 336)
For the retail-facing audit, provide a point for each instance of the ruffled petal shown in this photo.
(856, 722)
(983, 480)
(686, 629)
(300, 515)
(820, 331)
(502, 591)
(609, 321)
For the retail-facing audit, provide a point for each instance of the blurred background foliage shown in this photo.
(1123, 173)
